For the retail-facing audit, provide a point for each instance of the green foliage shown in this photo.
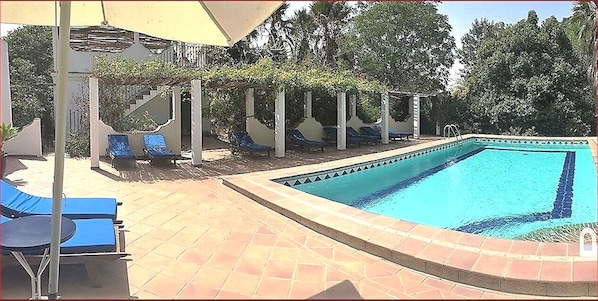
(529, 80)
(31, 63)
(77, 145)
(265, 74)
(471, 41)
(406, 45)
(8, 132)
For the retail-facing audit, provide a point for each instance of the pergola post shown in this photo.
(279, 124)
(341, 114)
(353, 105)
(176, 111)
(94, 120)
(416, 116)
(196, 122)
(308, 107)
(385, 117)
(249, 104)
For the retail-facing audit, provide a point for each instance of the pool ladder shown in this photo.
(451, 129)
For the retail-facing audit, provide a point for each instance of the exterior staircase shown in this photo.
(140, 95)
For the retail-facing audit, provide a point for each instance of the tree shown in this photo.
(31, 63)
(471, 41)
(301, 36)
(584, 20)
(330, 20)
(528, 80)
(406, 45)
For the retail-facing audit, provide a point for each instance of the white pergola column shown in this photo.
(176, 111)
(196, 123)
(341, 121)
(279, 124)
(385, 117)
(307, 107)
(353, 105)
(416, 116)
(94, 122)
(249, 102)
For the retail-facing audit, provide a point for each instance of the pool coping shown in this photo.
(537, 268)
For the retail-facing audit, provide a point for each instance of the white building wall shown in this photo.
(6, 101)
(28, 141)
(158, 109)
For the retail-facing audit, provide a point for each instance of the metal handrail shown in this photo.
(451, 129)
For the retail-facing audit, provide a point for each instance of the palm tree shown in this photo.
(584, 17)
(331, 20)
(301, 35)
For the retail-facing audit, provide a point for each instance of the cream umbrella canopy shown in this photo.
(220, 23)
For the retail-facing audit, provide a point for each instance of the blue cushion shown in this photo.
(17, 204)
(118, 147)
(91, 236)
(245, 142)
(155, 146)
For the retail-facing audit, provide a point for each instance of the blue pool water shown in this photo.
(489, 188)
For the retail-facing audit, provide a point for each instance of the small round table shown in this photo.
(33, 233)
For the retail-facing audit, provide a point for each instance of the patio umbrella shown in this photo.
(205, 22)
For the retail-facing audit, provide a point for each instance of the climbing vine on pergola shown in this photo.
(265, 74)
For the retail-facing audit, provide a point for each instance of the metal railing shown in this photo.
(184, 55)
(451, 129)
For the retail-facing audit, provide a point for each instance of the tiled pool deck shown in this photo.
(552, 269)
(192, 237)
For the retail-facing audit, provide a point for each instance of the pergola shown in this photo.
(227, 79)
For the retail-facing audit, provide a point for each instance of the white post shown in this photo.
(94, 122)
(279, 125)
(135, 38)
(385, 117)
(416, 116)
(249, 105)
(59, 151)
(341, 121)
(308, 106)
(6, 102)
(353, 105)
(196, 122)
(176, 114)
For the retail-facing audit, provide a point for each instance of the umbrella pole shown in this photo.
(60, 134)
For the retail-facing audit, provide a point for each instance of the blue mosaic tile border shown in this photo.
(333, 173)
(532, 142)
(337, 172)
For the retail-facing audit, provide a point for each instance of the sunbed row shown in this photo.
(155, 148)
(242, 141)
(98, 236)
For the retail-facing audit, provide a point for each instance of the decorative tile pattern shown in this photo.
(333, 173)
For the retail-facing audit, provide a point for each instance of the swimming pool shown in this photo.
(494, 187)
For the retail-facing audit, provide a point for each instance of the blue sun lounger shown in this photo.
(394, 135)
(295, 137)
(16, 203)
(155, 148)
(371, 131)
(331, 133)
(241, 141)
(119, 148)
(95, 240)
(351, 132)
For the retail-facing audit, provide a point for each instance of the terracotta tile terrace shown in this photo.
(190, 236)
